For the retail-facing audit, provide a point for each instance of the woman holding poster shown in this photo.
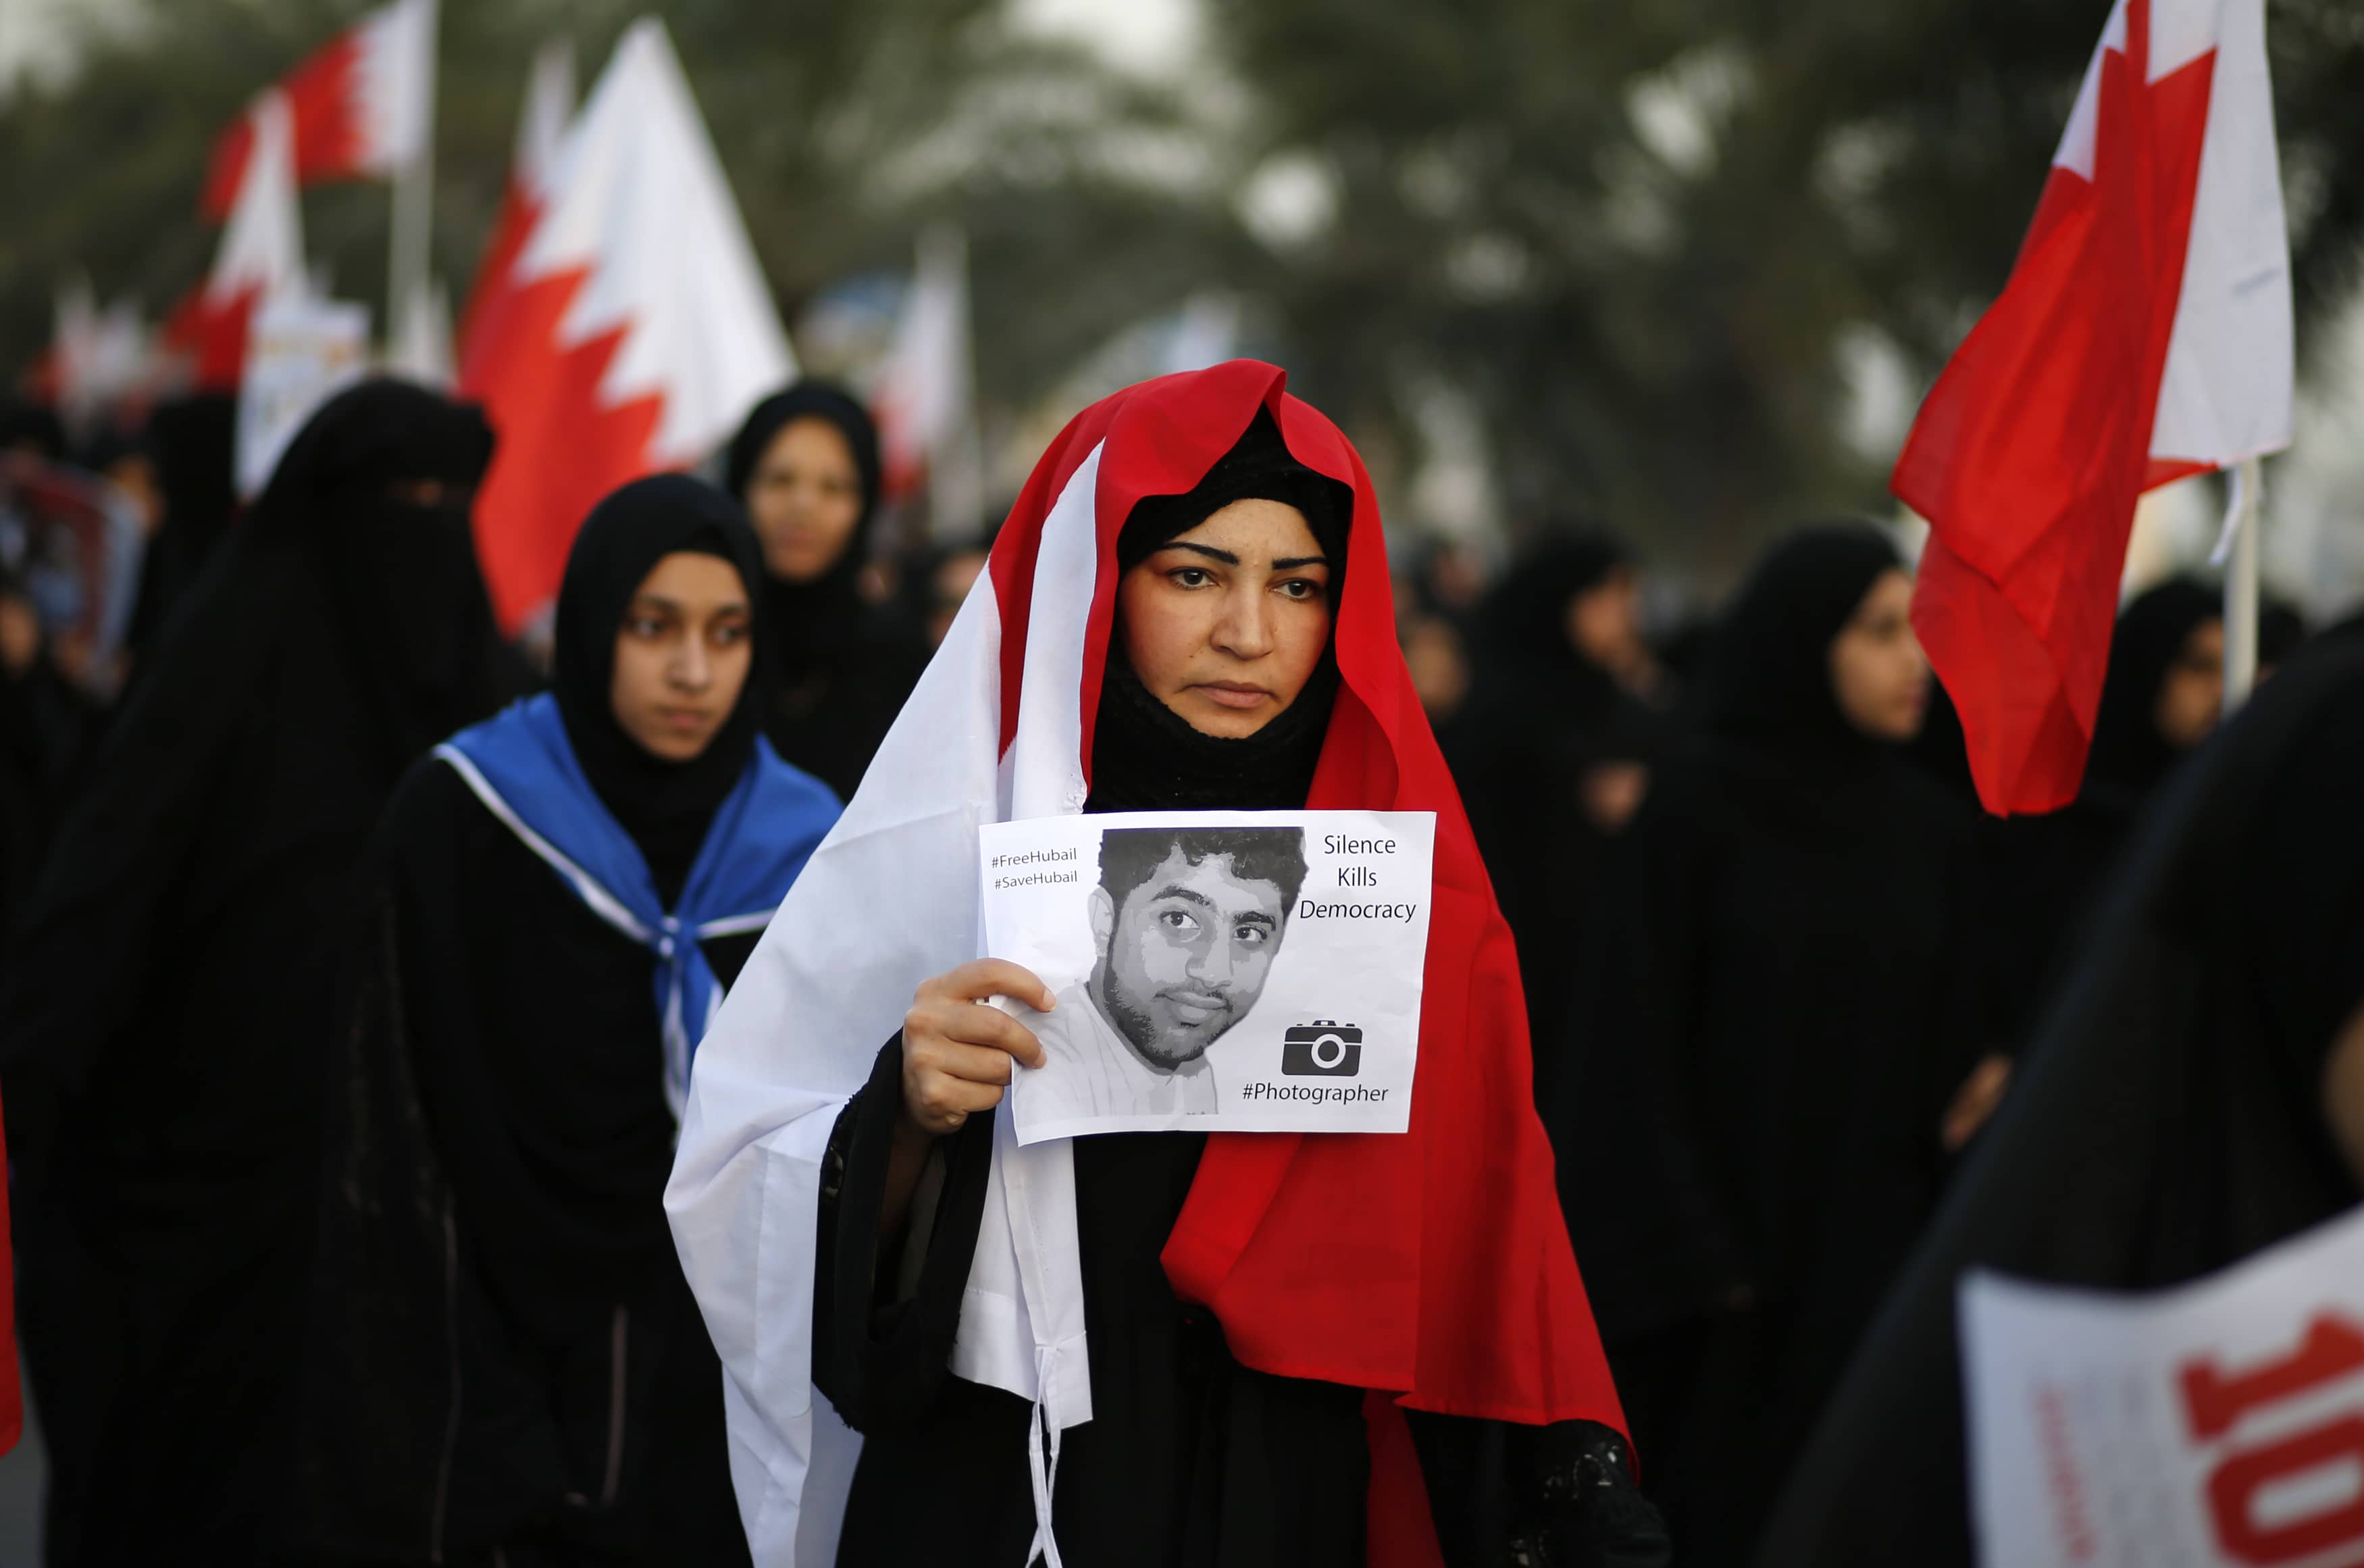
(1164, 1348)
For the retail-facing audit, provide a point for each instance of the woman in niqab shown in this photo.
(1157, 1349)
(166, 1014)
(505, 1363)
(2194, 1092)
(1768, 1028)
(806, 467)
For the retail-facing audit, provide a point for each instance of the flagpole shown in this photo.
(2241, 586)
(410, 232)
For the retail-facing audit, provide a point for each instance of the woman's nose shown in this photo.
(1245, 629)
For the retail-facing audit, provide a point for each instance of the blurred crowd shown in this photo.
(1778, 966)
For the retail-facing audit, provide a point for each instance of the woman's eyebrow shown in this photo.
(1289, 563)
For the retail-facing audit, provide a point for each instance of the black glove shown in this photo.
(1580, 1507)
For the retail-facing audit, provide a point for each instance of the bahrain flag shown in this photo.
(261, 255)
(361, 105)
(621, 325)
(2144, 336)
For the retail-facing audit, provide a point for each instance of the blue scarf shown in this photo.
(523, 768)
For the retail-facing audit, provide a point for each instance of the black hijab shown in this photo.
(1522, 629)
(2129, 756)
(812, 624)
(1146, 757)
(401, 574)
(2165, 1122)
(666, 807)
(1768, 681)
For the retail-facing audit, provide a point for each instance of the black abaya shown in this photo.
(163, 1019)
(504, 1355)
(1542, 719)
(1190, 1460)
(2168, 1116)
(498, 1293)
(1768, 1027)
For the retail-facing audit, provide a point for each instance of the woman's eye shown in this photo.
(1301, 588)
(644, 626)
(727, 635)
(1193, 577)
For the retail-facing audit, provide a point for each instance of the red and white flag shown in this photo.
(541, 131)
(261, 256)
(2144, 336)
(363, 104)
(630, 332)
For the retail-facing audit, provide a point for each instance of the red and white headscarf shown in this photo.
(1431, 1267)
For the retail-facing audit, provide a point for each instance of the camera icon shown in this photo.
(1323, 1048)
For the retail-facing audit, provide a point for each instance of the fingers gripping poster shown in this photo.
(1215, 971)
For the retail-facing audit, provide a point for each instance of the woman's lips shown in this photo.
(688, 719)
(1229, 694)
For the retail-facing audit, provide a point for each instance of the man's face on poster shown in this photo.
(1186, 955)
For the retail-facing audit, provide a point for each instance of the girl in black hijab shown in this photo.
(1553, 754)
(806, 467)
(505, 1363)
(164, 1014)
(2190, 1096)
(1767, 1030)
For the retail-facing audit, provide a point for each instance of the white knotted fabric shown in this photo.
(889, 899)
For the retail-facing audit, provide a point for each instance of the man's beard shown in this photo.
(1140, 1029)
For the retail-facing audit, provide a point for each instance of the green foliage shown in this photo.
(1638, 233)
(1635, 235)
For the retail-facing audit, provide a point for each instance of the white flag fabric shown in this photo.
(629, 331)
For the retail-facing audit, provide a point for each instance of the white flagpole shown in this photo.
(414, 211)
(2241, 586)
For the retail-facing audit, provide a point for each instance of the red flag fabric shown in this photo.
(361, 104)
(620, 325)
(1433, 1267)
(261, 255)
(2144, 336)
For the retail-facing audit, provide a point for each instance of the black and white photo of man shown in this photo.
(1187, 922)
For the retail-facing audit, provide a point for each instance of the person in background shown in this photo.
(505, 1363)
(44, 724)
(2194, 1092)
(943, 587)
(806, 467)
(164, 1015)
(2160, 699)
(1768, 1034)
(2281, 635)
(1554, 751)
(190, 446)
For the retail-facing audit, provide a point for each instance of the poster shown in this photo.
(300, 352)
(2218, 1424)
(1215, 971)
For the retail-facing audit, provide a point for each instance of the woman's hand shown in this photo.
(957, 1051)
